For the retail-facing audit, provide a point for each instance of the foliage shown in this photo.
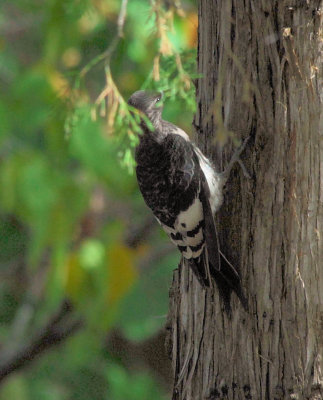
(68, 204)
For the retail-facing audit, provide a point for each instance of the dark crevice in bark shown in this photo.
(271, 84)
(267, 383)
(246, 391)
(276, 25)
(260, 361)
(233, 32)
(225, 391)
(214, 394)
(257, 62)
(283, 266)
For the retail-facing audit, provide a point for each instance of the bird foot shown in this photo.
(236, 158)
(244, 169)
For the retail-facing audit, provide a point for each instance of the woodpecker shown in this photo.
(182, 188)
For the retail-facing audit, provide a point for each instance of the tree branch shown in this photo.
(54, 332)
(106, 55)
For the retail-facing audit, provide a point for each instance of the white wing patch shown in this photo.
(187, 232)
(189, 219)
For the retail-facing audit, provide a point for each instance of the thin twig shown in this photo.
(106, 55)
(122, 17)
(58, 328)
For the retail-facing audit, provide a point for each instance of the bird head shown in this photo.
(149, 104)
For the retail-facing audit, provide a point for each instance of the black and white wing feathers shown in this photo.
(175, 187)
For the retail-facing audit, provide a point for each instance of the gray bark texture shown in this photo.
(262, 74)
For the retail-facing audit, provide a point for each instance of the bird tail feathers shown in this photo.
(226, 278)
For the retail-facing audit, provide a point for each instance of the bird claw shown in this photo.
(244, 169)
(236, 155)
(240, 150)
(236, 158)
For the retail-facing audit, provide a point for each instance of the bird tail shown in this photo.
(226, 278)
(212, 262)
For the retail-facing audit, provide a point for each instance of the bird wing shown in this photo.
(177, 191)
(223, 272)
(193, 228)
(200, 243)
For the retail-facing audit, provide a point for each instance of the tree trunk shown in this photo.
(262, 74)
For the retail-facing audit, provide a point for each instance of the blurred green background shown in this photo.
(84, 268)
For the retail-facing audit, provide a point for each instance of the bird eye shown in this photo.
(158, 99)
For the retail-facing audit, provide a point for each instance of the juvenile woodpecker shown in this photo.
(183, 190)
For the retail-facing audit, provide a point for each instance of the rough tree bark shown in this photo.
(262, 74)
